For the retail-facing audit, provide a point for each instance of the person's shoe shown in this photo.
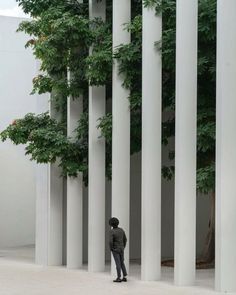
(124, 280)
(118, 280)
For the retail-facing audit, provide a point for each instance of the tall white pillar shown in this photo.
(151, 147)
(96, 189)
(41, 227)
(121, 125)
(225, 279)
(74, 225)
(55, 206)
(74, 194)
(185, 142)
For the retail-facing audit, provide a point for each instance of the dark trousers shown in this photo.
(120, 265)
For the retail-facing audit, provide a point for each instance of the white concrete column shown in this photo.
(121, 125)
(41, 227)
(225, 279)
(41, 231)
(151, 147)
(74, 194)
(185, 142)
(74, 226)
(96, 189)
(55, 206)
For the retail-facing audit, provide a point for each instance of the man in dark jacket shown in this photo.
(117, 244)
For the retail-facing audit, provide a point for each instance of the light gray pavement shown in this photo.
(20, 276)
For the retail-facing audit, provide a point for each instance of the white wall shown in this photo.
(17, 175)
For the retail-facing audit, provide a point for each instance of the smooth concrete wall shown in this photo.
(167, 237)
(17, 176)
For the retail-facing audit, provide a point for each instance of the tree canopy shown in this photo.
(61, 34)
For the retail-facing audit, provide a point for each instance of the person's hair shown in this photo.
(114, 222)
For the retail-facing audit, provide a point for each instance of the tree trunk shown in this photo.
(208, 254)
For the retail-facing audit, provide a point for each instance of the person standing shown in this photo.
(117, 243)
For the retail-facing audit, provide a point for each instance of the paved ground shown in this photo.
(20, 276)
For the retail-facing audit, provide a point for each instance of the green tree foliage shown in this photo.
(45, 142)
(61, 37)
(206, 85)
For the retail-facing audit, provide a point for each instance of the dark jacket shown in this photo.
(117, 239)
